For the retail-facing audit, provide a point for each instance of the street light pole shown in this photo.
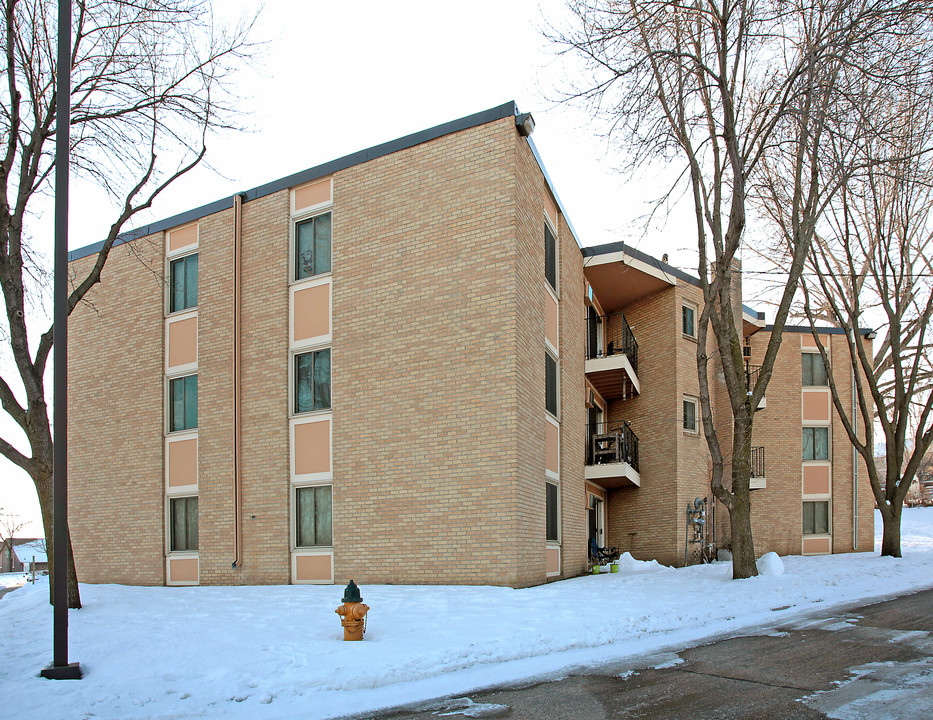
(61, 669)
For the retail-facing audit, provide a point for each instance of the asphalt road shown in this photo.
(872, 662)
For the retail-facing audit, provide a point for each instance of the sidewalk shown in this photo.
(871, 661)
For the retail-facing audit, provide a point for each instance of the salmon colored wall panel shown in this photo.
(816, 480)
(552, 443)
(312, 447)
(313, 567)
(183, 569)
(312, 312)
(807, 341)
(550, 207)
(550, 319)
(183, 463)
(816, 406)
(183, 342)
(553, 561)
(317, 193)
(183, 237)
(815, 546)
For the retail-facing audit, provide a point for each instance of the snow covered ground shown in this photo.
(277, 652)
(12, 580)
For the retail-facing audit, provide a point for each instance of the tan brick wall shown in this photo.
(115, 407)
(777, 509)
(574, 500)
(427, 486)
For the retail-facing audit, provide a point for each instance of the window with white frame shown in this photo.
(816, 443)
(313, 516)
(312, 381)
(816, 517)
(813, 370)
(688, 320)
(550, 257)
(183, 403)
(551, 384)
(691, 407)
(183, 283)
(551, 513)
(183, 523)
(312, 246)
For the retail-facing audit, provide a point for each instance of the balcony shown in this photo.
(751, 377)
(611, 356)
(758, 481)
(612, 456)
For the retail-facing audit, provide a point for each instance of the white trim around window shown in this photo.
(692, 308)
(695, 402)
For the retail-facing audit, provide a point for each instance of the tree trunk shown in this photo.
(891, 534)
(44, 489)
(743, 546)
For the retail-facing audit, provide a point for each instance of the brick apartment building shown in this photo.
(400, 367)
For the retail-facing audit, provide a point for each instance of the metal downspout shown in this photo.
(854, 468)
(237, 401)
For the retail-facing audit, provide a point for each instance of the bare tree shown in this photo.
(719, 88)
(149, 80)
(10, 524)
(872, 264)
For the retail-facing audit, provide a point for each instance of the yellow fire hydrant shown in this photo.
(352, 613)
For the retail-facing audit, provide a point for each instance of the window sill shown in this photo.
(311, 278)
(691, 338)
(310, 413)
(173, 314)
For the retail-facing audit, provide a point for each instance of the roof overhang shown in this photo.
(619, 278)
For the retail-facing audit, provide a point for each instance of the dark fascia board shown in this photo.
(751, 311)
(615, 247)
(481, 118)
(820, 330)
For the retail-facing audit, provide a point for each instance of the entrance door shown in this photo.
(595, 522)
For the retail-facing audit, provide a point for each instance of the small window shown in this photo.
(688, 320)
(816, 518)
(183, 522)
(550, 257)
(813, 371)
(312, 381)
(183, 403)
(551, 384)
(551, 512)
(312, 246)
(691, 414)
(313, 517)
(816, 443)
(184, 283)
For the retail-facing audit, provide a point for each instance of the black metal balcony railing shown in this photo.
(615, 444)
(758, 462)
(751, 376)
(619, 339)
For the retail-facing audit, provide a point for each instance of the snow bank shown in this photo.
(276, 651)
(770, 564)
(630, 566)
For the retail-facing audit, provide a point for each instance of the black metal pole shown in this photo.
(61, 669)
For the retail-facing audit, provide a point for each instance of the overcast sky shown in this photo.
(340, 77)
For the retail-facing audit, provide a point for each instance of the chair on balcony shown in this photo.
(607, 446)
